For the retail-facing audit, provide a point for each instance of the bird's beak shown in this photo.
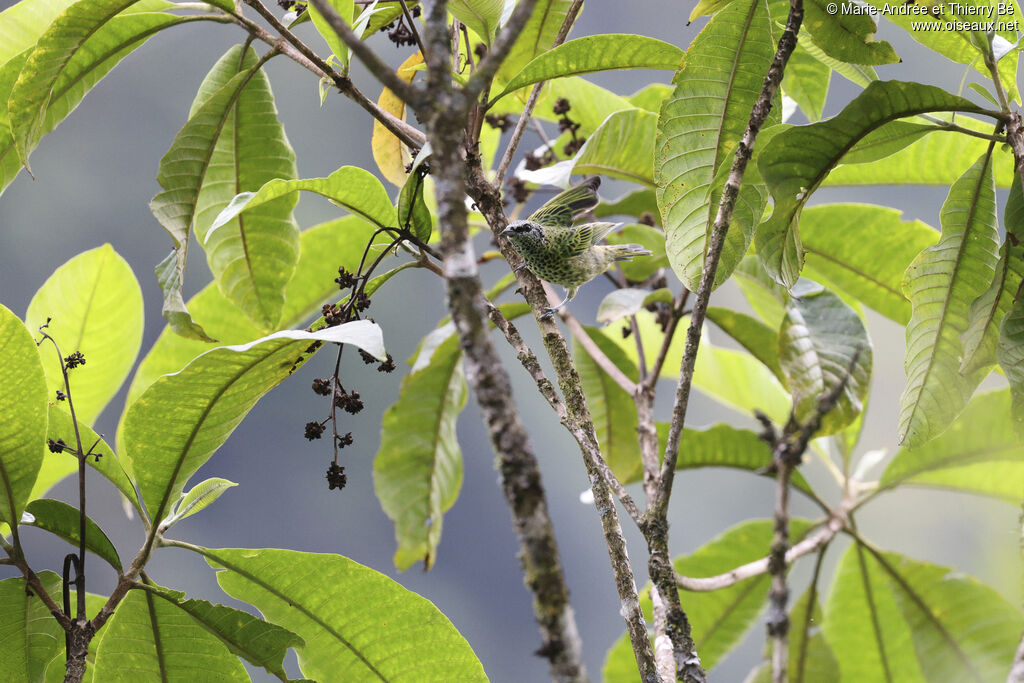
(506, 232)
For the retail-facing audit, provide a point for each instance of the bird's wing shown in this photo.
(596, 231)
(559, 211)
(577, 240)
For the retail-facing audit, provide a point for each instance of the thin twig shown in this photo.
(675, 316)
(412, 26)
(590, 346)
(531, 101)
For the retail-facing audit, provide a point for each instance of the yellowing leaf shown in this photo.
(388, 151)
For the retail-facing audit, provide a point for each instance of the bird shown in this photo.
(560, 253)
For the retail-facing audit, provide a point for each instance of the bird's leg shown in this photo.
(521, 267)
(549, 311)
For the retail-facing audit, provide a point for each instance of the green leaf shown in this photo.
(979, 453)
(343, 238)
(1011, 359)
(796, 161)
(261, 643)
(182, 419)
(750, 333)
(650, 97)
(481, 16)
(350, 616)
(721, 445)
(23, 407)
(941, 283)
(719, 618)
(887, 140)
(806, 80)
(596, 53)
(100, 53)
(846, 35)
(94, 305)
(818, 340)
(56, 670)
(634, 204)
(34, 89)
(652, 239)
(61, 519)
(536, 37)
(107, 464)
(810, 657)
(937, 158)
(413, 214)
(863, 251)
(962, 630)
(590, 104)
(934, 34)
(155, 640)
(612, 408)
(767, 297)
(867, 632)
(252, 257)
(350, 187)
(346, 10)
(201, 495)
(418, 469)
(621, 303)
(29, 635)
(989, 310)
(698, 130)
(622, 147)
(859, 74)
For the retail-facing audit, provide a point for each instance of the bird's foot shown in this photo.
(549, 312)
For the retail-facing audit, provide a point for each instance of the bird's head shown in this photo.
(522, 233)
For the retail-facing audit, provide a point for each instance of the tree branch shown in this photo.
(370, 59)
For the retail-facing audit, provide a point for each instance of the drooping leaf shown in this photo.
(23, 406)
(941, 284)
(418, 470)
(261, 643)
(253, 256)
(107, 464)
(887, 140)
(350, 187)
(843, 243)
(388, 151)
(698, 129)
(767, 297)
(200, 496)
(846, 35)
(719, 618)
(806, 80)
(721, 445)
(182, 419)
(622, 147)
(819, 339)
(156, 640)
(868, 634)
(796, 161)
(990, 309)
(413, 214)
(61, 519)
(936, 158)
(350, 616)
(481, 16)
(100, 53)
(170, 276)
(962, 630)
(979, 453)
(29, 635)
(621, 303)
(611, 407)
(596, 53)
(34, 89)
(94, 305)
(1010, 354)
(859, 74)
(750, 333)
(343, 238)
(346, 10)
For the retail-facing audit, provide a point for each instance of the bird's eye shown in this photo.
(522, 227)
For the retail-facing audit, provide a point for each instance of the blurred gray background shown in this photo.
(94, 178)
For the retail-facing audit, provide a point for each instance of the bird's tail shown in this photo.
(626, 252)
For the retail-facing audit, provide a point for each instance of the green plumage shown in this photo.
(556, 251)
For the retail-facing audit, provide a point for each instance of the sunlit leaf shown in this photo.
(536, 37)
(481, 16)
(767, 297)
(620, 303)
(622, 147)
(346, 10)
(23, 406)
(652, 239)
(847, 34)
(94, 305)
(201, 495)
(350, 616)
(941, 283)
(698, 130)
(806, 80)
(750, 333)
(61, 519)
(156, 640)
(418, 470)
(29, 635)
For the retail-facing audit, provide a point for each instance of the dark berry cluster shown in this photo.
(348, 401)
(74, 360)
(518, 190)
(288, 5)
(314, 430)
(399, 33)
(336, 477)
(57, 446)
(502, 123)
(561, 109)
(61, 396)
(322, 386)
(345, 279)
